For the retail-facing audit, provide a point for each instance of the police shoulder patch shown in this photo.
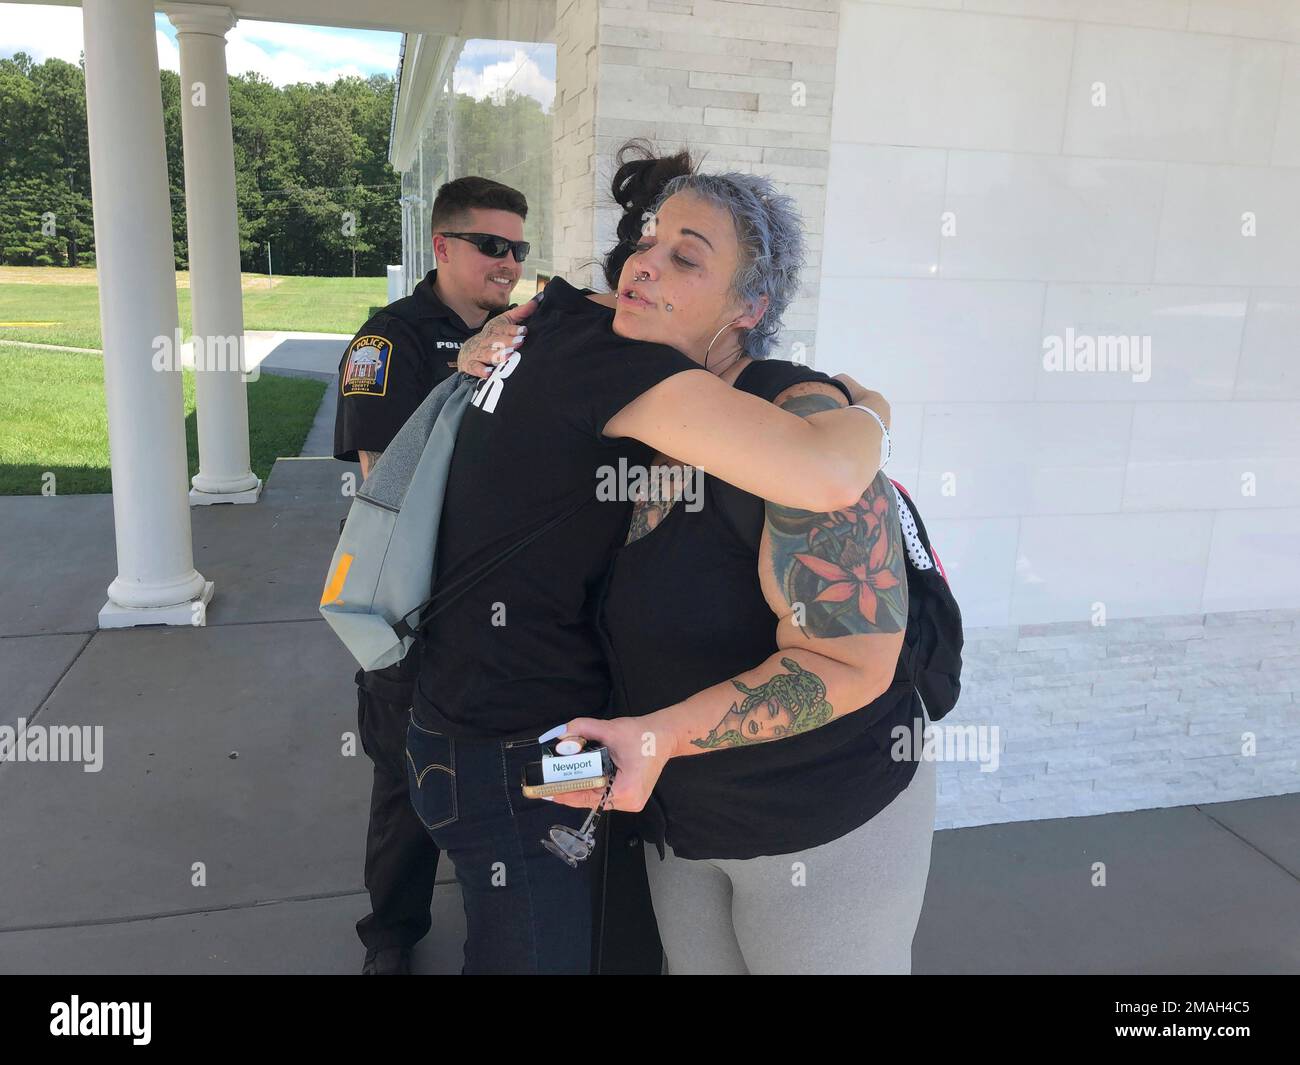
(365, 372)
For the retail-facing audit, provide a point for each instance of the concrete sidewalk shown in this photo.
(281, 352)
(222, 746)
(294, 353)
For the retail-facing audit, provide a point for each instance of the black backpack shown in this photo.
(931, 657)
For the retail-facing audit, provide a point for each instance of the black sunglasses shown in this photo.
(495, 247)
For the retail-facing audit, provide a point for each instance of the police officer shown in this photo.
(388, 369)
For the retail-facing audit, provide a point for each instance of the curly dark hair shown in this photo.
(638, 183)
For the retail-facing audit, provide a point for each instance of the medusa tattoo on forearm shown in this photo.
(781, 706)
(842, 572)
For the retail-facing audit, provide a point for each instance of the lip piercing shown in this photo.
(643, 276)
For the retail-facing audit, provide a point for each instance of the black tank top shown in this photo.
(682, 611)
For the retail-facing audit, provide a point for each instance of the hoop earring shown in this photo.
(711, 342)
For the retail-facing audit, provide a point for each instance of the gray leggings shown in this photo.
(848, 906)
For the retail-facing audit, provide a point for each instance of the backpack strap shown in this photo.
(445, 596)
(918, 558)
(937, 605)
(912, 541)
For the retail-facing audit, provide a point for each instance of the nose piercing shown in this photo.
(643, 276)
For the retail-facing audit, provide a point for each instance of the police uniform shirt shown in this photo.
(394, 361)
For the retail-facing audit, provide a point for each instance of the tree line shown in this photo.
(312, 176)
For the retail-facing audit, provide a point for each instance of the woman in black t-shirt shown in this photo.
(735, 622)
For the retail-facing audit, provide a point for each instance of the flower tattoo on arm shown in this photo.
(846, 568)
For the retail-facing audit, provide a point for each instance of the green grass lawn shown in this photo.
(50, 305)
(53, 419)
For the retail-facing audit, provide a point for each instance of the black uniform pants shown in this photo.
(401, 859)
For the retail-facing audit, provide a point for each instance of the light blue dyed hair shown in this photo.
(770, 233)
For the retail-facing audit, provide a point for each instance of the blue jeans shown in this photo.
(526, 911)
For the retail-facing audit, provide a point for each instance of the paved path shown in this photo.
(307, 354)
(223, 745)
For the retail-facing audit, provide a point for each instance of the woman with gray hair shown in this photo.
(753, 645)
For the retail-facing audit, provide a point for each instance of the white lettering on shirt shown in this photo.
(487, 393)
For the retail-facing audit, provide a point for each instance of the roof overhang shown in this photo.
(427, 62)
(508, 20)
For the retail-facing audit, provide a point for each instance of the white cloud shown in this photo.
(169, 57)
(41, 31)
(480, 47)
(325, 50)
(245, 54)
(520, 73)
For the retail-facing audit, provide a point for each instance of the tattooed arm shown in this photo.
(838, 587)
(822, 461)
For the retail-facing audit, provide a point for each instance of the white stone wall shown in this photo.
(1049, 492)
(1167, 508)
(574, 129)
(1136, 714)
(747, 86)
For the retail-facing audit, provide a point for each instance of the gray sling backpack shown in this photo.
(376, 596)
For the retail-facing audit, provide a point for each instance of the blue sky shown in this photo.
(287, 53)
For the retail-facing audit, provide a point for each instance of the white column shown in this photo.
(156, 581)
(215, 296)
